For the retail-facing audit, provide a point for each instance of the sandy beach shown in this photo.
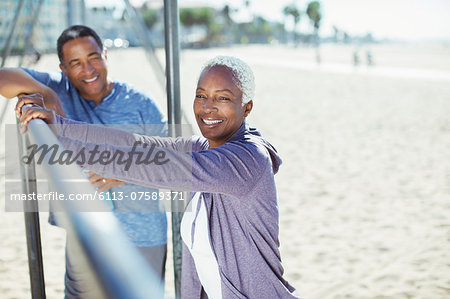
(364, 189)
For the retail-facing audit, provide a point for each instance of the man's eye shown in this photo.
(74, 65)
(95, 60)
(224, 99)
(200, 96)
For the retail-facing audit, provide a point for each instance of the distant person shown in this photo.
(230, 227)
(33, 56)
(369, 57)
(355, 58)
(87, 94)
(33, 53)
(36, 56)
(318, 57)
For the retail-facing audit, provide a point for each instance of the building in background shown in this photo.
(76, 13)
(112, 25)
(54, 17)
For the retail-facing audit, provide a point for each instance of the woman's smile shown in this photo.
(211, 122)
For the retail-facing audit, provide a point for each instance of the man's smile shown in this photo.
(93, 79)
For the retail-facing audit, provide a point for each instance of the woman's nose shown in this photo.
(209, 105)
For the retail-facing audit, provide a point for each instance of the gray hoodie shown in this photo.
(237, 181)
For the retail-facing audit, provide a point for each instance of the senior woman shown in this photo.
(230, 233)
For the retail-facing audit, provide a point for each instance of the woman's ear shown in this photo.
(248, 108)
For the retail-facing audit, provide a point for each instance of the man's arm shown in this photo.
(15, 82)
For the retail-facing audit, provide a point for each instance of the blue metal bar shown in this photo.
(121, 270)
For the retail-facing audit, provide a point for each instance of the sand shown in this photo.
(364, 190)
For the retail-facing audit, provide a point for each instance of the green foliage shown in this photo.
(150, 18)
(197, 16)
(314, 14)
(244, 40)
(258, 31)
(293, 11)
(226, 15)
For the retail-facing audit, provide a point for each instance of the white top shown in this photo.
(201, 250)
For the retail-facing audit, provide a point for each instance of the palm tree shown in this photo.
(314, 14)
(229, 23)
(198, 16)
(292, 10)
(150, 17)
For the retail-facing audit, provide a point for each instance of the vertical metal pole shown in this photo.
(83, 11)
(76, 12)
(7, 48)
(172, 47)
(69, 13)
(32, 226)
(172, 63)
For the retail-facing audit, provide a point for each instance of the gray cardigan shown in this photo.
(237, 181)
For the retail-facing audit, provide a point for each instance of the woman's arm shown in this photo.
(85, 132)
(106, 135)
(230, 169)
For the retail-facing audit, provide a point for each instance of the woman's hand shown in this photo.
(101, 183)
(36, 112)
(28, 99)
(51, 101)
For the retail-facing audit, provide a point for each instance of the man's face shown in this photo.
(85, 66)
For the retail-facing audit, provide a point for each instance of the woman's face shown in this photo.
(218, 105)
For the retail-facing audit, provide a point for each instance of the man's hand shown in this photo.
(36, 112)
(101, 183)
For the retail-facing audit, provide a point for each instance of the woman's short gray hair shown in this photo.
(242, 74)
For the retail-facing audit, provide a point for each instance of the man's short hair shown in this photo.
(73, 32)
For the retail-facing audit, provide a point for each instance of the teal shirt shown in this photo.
(128, 109)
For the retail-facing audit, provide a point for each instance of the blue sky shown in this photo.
(411, 20)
